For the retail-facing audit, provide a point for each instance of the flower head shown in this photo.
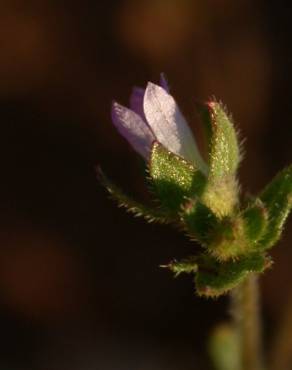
(203, 200)
(154, 116)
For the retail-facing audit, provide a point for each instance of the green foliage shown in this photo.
(174, 179)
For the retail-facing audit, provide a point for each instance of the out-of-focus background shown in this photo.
(80, 286)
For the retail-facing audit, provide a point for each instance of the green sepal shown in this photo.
(173, 178)
(221, 193)
(224, 348)
(255, 218)
(199, 221)
(215, 278)
(132, 206)
(224, 148)
(277, 198)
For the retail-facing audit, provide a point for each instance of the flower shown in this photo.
(202, 200)
(155, 116)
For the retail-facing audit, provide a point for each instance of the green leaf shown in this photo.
(174, 179)
(199, 221)
(216, 278)
(277, 197)
(132, 206)
(221, 193)
(224, 348)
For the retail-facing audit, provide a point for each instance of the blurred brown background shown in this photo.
(80, 286)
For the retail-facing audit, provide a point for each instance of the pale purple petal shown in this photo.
(169, 125)
(163, 82)
(137, 96)
(132, 127)
(136, 101)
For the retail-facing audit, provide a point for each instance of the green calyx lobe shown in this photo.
(173, 179)
(224, 149)
(221, 193)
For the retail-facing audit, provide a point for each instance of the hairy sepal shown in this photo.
(221, 193)
(173, 179)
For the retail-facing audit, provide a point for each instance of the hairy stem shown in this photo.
(246, 316)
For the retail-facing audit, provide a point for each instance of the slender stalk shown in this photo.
(246, 316)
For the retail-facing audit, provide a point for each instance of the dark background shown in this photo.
(80, 286)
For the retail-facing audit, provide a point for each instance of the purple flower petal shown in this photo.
(137, 96)
(169, 126)
(136, 101)
(132, 127)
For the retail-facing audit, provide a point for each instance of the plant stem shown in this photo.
(247, 322)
